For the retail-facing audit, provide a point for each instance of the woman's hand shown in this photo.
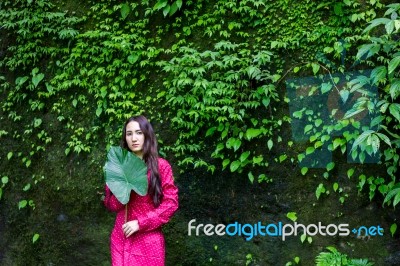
(130, 227)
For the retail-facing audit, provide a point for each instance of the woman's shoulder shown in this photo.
(164, 168)
(163, 162)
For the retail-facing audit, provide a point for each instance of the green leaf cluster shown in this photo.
(208, 73)
(336, 258)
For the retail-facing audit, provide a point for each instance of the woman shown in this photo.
(140, 241)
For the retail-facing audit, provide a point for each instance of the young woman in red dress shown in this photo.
(140, 241)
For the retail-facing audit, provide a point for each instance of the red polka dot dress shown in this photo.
(146, 246)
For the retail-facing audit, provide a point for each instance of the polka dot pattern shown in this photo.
(146, 246)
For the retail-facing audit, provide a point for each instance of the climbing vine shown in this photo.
(224, 99)
(210, 73)
(362, 115)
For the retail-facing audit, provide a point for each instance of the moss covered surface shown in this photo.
(106, 66)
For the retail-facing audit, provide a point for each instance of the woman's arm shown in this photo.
(111, 202)
(169, 204)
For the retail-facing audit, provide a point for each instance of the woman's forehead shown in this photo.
(132, 126)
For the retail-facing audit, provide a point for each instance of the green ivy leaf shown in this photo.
(133, 58)
(21, 80)
(298, 114)
(244, 156)
(393, 64)
(362, 179)
(368, 49)
(310, 150)
(225, 163)
(303, 238)
(36, 79)
(325, 87)
(235, 165)
(179, 3)
(22, 204)
(393, 229)
(350, 172)
(320, 189)
(352, 112)
(210, 131)
(376, 22)
(173, 9)
(270, 143)
(394, 89)
(99, 110)
(166, 10)
(292, 216)
(307, 128)
(252, 133)
(258, 159)
(35, 238)
(335, 186)
(304, 170)
(394, 110)
(125, 9)
(318, 122)
(330, 166)
(4, 180)
(338, 9)
(266, 101)
(236, 144)
(361, 138)
(384, 138)
(251, 177)
(378, 74)
(37, 122)
(315, 68)
(395, 192)
(160, 4)
(300, 157)
(27, 187)
(344, 95)
(389, 27)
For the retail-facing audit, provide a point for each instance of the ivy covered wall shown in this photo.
(214, 77)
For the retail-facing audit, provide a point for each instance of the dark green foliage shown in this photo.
(223, 99)
(209, 74)
(335, 258)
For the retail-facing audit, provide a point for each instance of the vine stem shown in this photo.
(126, 212)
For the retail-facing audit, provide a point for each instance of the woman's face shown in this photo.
(134, 138)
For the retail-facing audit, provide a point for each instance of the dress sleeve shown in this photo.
(111, 202)
(169, 204)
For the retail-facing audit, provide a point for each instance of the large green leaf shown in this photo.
(124, 171)
(125, 9)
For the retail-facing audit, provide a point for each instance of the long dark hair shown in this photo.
(150, 155)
